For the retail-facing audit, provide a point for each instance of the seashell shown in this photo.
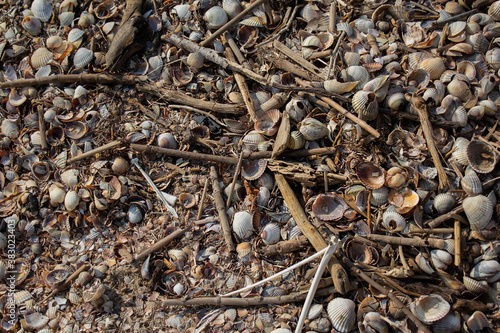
(17, 100)
(268, 122)
(441, 259)
(71, 200)
(365, 104)
(430, 308)
(395, 177)
(252, 139)
(94, 293)
(314, 311)
(371, 175)
(41, 170)
(449, 324)
(351, 59)
(53, 42)
(435, 66)
(166, 140)
(460, 150)
(478, 210)
(419, 78)
(105, 10)
(196, 36)
(75, 35)
(494, 11)
(22, 269)
(266, 180)
(337, 87)
(35, 321)
(120, 165)
(312, 129)
(21, 297)
(374, 323)
(297, 108)
(311, 42)
(253, 21)
(379, 86)
(57, 193)
(41, 57)
(187, 200)
(474, 285)
(444, 202)
(231, 7)
(379, 196)
(296, 140)
(70, 177)
(181, 77)
(244, 249)
(271, 234)
(182, 11)
(56, 277)
(471, 183)
(460, 89)
(310, 12)
(42, 9)
(195, 60)
(76, 130)
(423, 264)
(32, 25)
(326, 39)
(134, 214)
(342, 314)
(215, 17)
(488, 270)
(66, 18)
(468, 69)
(329, 207)
(478, 320)
(493, 58)
(82, 57)
(253, 169)
(242, 224)
(481, 156)
(84, 278)
(396, 101)
(393, 221)
(357, 73)
(86, 19)
(263, 196)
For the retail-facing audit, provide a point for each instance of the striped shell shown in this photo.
(242, 224)
(82, 57)
(481, 156)
(329, 207)
(296, 140)
(21, 297)
(471, 183)
(40, 57)
(56, 277)
(75, 35)
(430, 308)
(494, 11)
(478, 210)
(393, 221)
(66, 18)
(253, 21)
(441, 259)
(488, 270)
(42, 9)
(252, 139)
(244, 249)
(478, 321)
(342, 314)
(379, 196)
(312, 129)
(314, 311)
(474, 285)
(435, 67)
(449, 324)
(253, 169)
(444, 202)
(271, 234)
(357, 73)
(268, 122)
(371, 175)
(32, 25)
(231, 7)
(365, 104)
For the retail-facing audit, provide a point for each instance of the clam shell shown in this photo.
(474, 285)
(71, 200)
(312, 42)
(444, 202)
(41, 57)
(435, 66)
(419, 78)
(231, 7)
(271, 234)
(243, 249)
(56, 277)
(430, 308)
(423, 264)
(82, 57)
(449, 324)
(94, 293)
(342, 314)
(32, 25)
(57, 193)
(66, 18)
(351, 59)
(441, 259)
(215, 17)
(459, 88)
(242, 225)
(337, 87)
(252, 139)
(479, 211)
(494, 11)
(329, 207)
(395, 177)
(253, 21)
(396, 101)
(166, 140)
(42, 9)
(75, 35)
(182, 11)
(312, 129)
(481, 156)
(187, 200)
(41, 170)
(135, 214)
(53, 42)
(21, 297)
(253, 169)
(379, 86)
(357, 73)
(263, 196)
(393, 221)
(296, 140)
(379, 196)
(76, 130)
(365, 104)
(488, 270)
(460, 150)
(268, 122)
(10, 129)
(195, 60)
(297, 108)
(478, 320)
(471, 183)
(371, 175)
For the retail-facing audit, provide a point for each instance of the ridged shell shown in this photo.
(268, 122)
(56, 277)
(396, 101)
(419, 78)
(182, 11)
(435, 67)
(479, 211)
(271, 234)
(312, 129)
(32, 25)
(351, 59)
(329, 207)
(393, 221)
(35, 321)
(379, 196)
(42, 9)
(296, 140)
(66, 18)
(430, 308)
(379, 86)
(337, 87)
(357, 73)
(253, 21)
(444, 202)
(423, 264)
(371, 175)
(471, 183)
(478, 321)
(449, 324)
(253, 169)
(365, 104)
(481, 156)
(215, 17)
(488, 270)
(21, 297)
(252, 139)
(314, 311)
(231, 7)
(82, 57)
(342, 314)
(459, 88)
(494, 11)
(474, 285)
(242, 225)
(460, 150)
(441, 259)
(40, 57)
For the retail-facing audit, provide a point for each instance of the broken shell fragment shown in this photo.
(312, 129)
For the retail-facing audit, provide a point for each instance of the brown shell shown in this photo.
(481, 156)
(253, 169)
(187, 200)
(371, 175)
(329, 207)
(268, 122)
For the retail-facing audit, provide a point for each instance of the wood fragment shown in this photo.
(430, 242)
(284, 247)
(157, 118)
(275, 102)
(445, 217)
(202, 200)
(67, 282)
(236, 51)
(288, 66)
(95, 151)
(42, 128)
(459, 17)
(283, 136)
(458, 244)
(333, 55)
(432, 231)
(221, 210)
(339, 275)
(161, 243)
(298, 59)
(235, 178)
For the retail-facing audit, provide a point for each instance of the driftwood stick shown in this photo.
(339, 275)
(212, 56)
(333, 55)
(242, 84)
(161, 243)
(67, 282)
(310, 90)
(191, 109)
(275, 102)
(236, 51)
(202, 200)
(235, 178)
(422, 328)
(232, 22)
(298, 59)
(332, 23)
(439, 24)
(419, 104)
(107, 146)
(445, 217)
(41, 127)
(157, 118)
(247, 301)
(432, 231)
(100, 78)
(458, 244)
(221, 209)
(284, 247)
(287, 66)
(431, 242)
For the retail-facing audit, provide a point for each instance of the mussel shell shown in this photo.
(430, 308)
(481, 156)
(371, 175)
(329, 207)
(342, 314)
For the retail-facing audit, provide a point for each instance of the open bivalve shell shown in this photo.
(430, 308)
(342, 314)
(481, 156)
(371, 175)
(253, 169)
(329, 207)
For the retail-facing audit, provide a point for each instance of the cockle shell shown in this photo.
(42, 9)
(231, 7)
(459, 88)
(393, 221)
(441, 259)
(244, 249)
(374, 323)
(70, 177)
(379, 196)
(478, 210)
(494, 11)
(195, 60)
(82, 57)
(312, 129)
(35, 321)
(182, 11)
(215, 17)
(296, 140)
(379, 86)
(444, 202)
(32, 25)
(120, 165)
(41, 57)
(371, 175)
(253, 169)
(430, 308)
(471, 183)
(475, 285)
(242, 224)
(342, 314)
(57, 193)
(94, 293)
(10, 129)
(424, 264)
(365, 104)
(329, 207)
(357, 73)
(166, 140)
(53, 42)
(56, 277)
(252, 139)
(396, 101)
(271, 234)
(488, 270)
(268, 122)
(449, 324)
(66, 18)
(395, 177)
(478, 321)
(71, 200)
(481, 156)
(435, 66)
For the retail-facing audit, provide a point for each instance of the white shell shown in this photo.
(444, 202)
(478, 321)
(167, 140)
(41, 57)
(42, 9)
(231, 7)
(471, 183)
(182, 11)
(71, 200)
(70, 177)
(423, 264)
(488, 270)
(66, 18)
(82, 57)
(215, 17)
(441, 259)
(75, 34)
(242, 225)
(195, 60)
(479, 210)
(393, 221)
(57, 193)
(32, 25)
(379, 196)
(430, 308)
(475, 285)
(342, 314)
(134, 214)
(35, 321)
(312, 129)
(449, 324)
(10, 129)
(271, 233)
(314, 311)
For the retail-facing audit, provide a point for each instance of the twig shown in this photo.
(107, 146)
(284, 29)
(332, 23)
(333, 55)
(245, 302)
(275, 102)
(202, 200)
(431, 231)
(439, 24)
(235, 178)
(310, 90)
(286, 270)
(430, 242)
(402, 258)
(206, 220)
(67, 282)
(191, 109)
(232, 22)
(416, 4)
(298, 59)
(153, 185)
(445, 217)
(221, 209)
(395, 285)
(161, 243)
(419, 104)
(41, 126)
(287, 66)
(236, 50)
(458, 244)
(156, 117)
(339, 275)
(283, 136)
(284, 247)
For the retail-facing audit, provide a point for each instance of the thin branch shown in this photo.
(161, 243)
(221, 210)
(95, 151)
